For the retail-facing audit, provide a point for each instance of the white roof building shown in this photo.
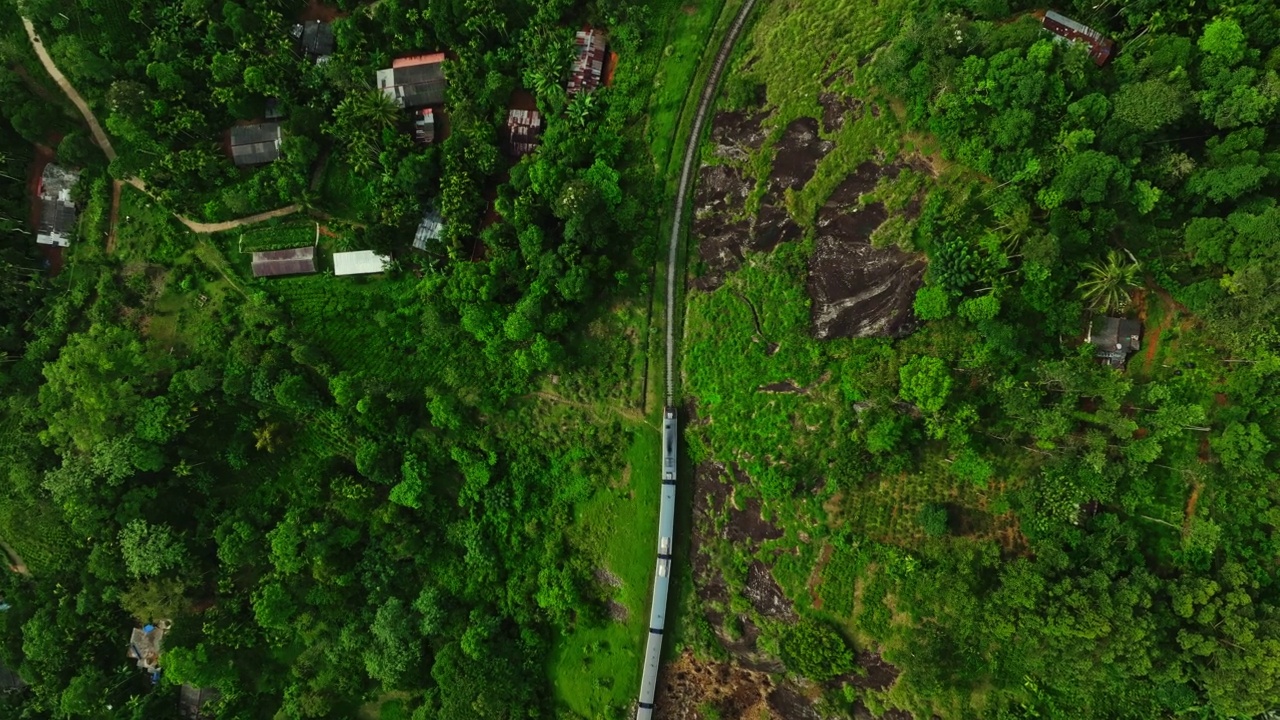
(360, 262)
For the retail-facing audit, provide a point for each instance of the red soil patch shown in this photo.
(116, 187)
(1220, 399)
(610, 66)
(1191, 506)
(43, 156)
(325, 231)
(1140, 433)
(522, 99)
(1151, 336)
(316, 10)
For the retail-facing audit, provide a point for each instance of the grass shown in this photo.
(345, 195)
(597, 668)
(147, 232)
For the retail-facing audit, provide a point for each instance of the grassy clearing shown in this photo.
(596, 669)
(147, 232)
(690, 45)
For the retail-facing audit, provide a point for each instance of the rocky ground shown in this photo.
(855, 290)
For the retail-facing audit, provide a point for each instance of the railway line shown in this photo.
(670, 421)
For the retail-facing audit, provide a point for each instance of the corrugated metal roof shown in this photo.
(360, 262)
(1100, 46)
(417, 84)
(431, 228)
(284, 262)
(255, 144)
(588, 68)
(523, 127)
(317, 38)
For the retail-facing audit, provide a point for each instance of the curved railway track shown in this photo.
(670, 423)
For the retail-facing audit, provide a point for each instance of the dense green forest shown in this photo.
(431, 493)
(341, 491)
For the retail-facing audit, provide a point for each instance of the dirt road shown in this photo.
(99, 136)
(102, 141)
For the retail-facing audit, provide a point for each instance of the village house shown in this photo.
(1114, 339)
(294, 261)
(415, 81)
(523, 130)
(57, 211)
(146, 643)
(431, 229)
(316, 38)
(256, 144)
(588, 66)
(424, 126)
(359, 262)
(1065, 28)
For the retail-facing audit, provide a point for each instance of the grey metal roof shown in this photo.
(255, 144)
(284, 262)
(431, 228)
(1115, 338)
(317, 38)
(56, 216)
(415, 85)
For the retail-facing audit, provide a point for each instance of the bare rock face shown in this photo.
(766, 594)
(796, 156)
(718, 207)
(857, 290)
(736, 135)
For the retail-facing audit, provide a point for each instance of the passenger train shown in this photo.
(662, 577)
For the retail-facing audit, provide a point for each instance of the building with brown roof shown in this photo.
(523, 130)
(294, 261)
(1100, 47)
(588, 67)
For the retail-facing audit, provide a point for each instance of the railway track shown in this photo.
(670, 422)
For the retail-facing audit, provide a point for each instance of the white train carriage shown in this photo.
(662, 572)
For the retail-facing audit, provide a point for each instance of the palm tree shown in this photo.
(379, 108)
(1109, 283)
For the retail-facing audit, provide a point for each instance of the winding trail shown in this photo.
(664, 569)
(102, 141)
(99, 136)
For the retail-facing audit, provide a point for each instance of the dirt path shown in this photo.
(202, 227)
(1191, 508)
(1151, 335)
(116, 187)
(628, 413)
(99, 136)
(815, 577)
(16, 563)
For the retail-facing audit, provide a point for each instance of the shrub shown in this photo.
(815, 650)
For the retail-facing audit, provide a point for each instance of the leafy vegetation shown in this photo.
(1015, 527)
